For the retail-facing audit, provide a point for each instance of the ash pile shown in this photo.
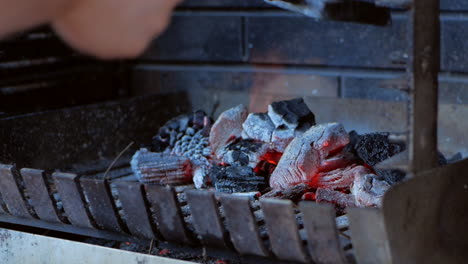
(282, 153)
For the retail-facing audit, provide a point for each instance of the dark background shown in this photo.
(234, 45)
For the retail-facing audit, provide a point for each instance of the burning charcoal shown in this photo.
(340, 178)
(341, 160)
(282, 137)
(368, 190)
(244, 152)
(161, 168)
(334, 197)
(302, 158)
(226, 128)
(294, 193)
(258, 127)
(233, 179)
(293, 114)
(178, 127)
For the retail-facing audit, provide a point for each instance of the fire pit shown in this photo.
(151, 170)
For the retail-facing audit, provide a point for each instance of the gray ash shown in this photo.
(194, 146)
(292, 114)
(236, 178)
(178, 127)
(242, 151)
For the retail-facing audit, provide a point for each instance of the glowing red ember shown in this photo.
(302, 158)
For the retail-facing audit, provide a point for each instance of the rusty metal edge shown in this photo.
(424, 29)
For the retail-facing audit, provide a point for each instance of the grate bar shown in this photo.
(11, 194)
(73, 205)
(368, 228)
(40, 198)
(322, 233)
(283, 230)
(168, 214)
(101, 204)
(134, 207)
(242, 226)
(425, 67)
(206, 218)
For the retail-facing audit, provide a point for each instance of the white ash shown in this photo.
(368, 190)
(293, 114)
(340, 178)
(303, 156)
(160, 168)
(178, 127)
(281, 138)
(331, 196)
(227, 127)
(244, 153)
(258, 126)
(284, 121)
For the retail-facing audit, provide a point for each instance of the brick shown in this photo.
(297, 85)
(390, 90)
(454, 48)
(199, 39)
(453, 93)
(298, 40)
(374, 89)
(454, 5)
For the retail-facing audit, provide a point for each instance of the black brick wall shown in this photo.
(241, 45)
(39, 72)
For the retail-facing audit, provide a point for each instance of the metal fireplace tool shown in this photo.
(423, 220)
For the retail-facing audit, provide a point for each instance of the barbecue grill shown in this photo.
(64, 181)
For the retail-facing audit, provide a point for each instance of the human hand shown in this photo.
(112, 29)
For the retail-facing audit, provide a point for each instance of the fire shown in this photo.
(268, 163)
(164, 252)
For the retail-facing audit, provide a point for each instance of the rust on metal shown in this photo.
(11, 193)
(168, 214)
(424, 70)
(73, 205)
(206, 218)
(41, 200)
(101, 204)
(322, 234)
(137, 217)
(283, 230)
(242, 226)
